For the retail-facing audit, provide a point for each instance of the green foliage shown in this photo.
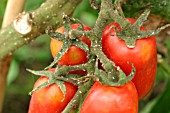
(162, 105)
(2, 10)
(40, 45)
(85, 13)
(13, 71)
(32, 4)
(163, 74)
(160, 102)
(158, 7)
(167, 43)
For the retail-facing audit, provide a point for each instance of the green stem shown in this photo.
(102, 19)
(10, 39)
(108, 65)
(83, 87)
(74, 103)
(66, 69)
(77, 33)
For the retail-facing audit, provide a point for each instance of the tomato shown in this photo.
(74, 55)
(108, 99)
(143, 56)
(50, 99)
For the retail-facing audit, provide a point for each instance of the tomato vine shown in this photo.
(112, 75)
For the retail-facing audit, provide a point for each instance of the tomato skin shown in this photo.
(74, 55)
(108, 99)
(50, 99)
(143, 56)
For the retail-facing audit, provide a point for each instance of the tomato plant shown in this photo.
(143, 56)
(74, 55)
(50, 99)
(108, 99)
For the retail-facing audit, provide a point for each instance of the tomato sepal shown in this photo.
(62, 87)
(59, 75)
(73, 105)
(41, 73)
(56, 35)
(45, 84)
(109, 78)
(132, 32)
(62, 51)
(81, 45)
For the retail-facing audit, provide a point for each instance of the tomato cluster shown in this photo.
(51, 99)
(102, 98)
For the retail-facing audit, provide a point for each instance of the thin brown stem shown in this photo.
(94, 5)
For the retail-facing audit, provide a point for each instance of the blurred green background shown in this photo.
(36, 55)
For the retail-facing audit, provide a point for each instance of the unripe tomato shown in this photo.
(50, 99)
(108, 99)
(74, 55)
(143, 56)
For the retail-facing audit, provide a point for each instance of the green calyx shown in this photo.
(67, 38)
(131, 32)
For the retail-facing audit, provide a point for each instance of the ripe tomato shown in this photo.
(143, 56)
(108, 99)
(50, 99)
(74, 55)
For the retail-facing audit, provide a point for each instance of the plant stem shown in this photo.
(10, 39)
(101, 21)
(74, 103)
(10, 13)
(40, 19)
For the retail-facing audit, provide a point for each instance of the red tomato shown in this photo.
(143, 56)
(74, 55)
(108, 99)
(50, 99)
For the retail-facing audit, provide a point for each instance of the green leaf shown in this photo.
(81, 45)
(139, 22)
(38, 48)
(123, 78)
(2, 10)
(162, 105)
(45, 84)
(148, 33)
(13, 72)
(67, 26)
(32, 4)
(56, 35)
(41, 73)
(83, 11)
(73, 76)
(102, 76)
(148, 107)
(62, 51)
(158, 7)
